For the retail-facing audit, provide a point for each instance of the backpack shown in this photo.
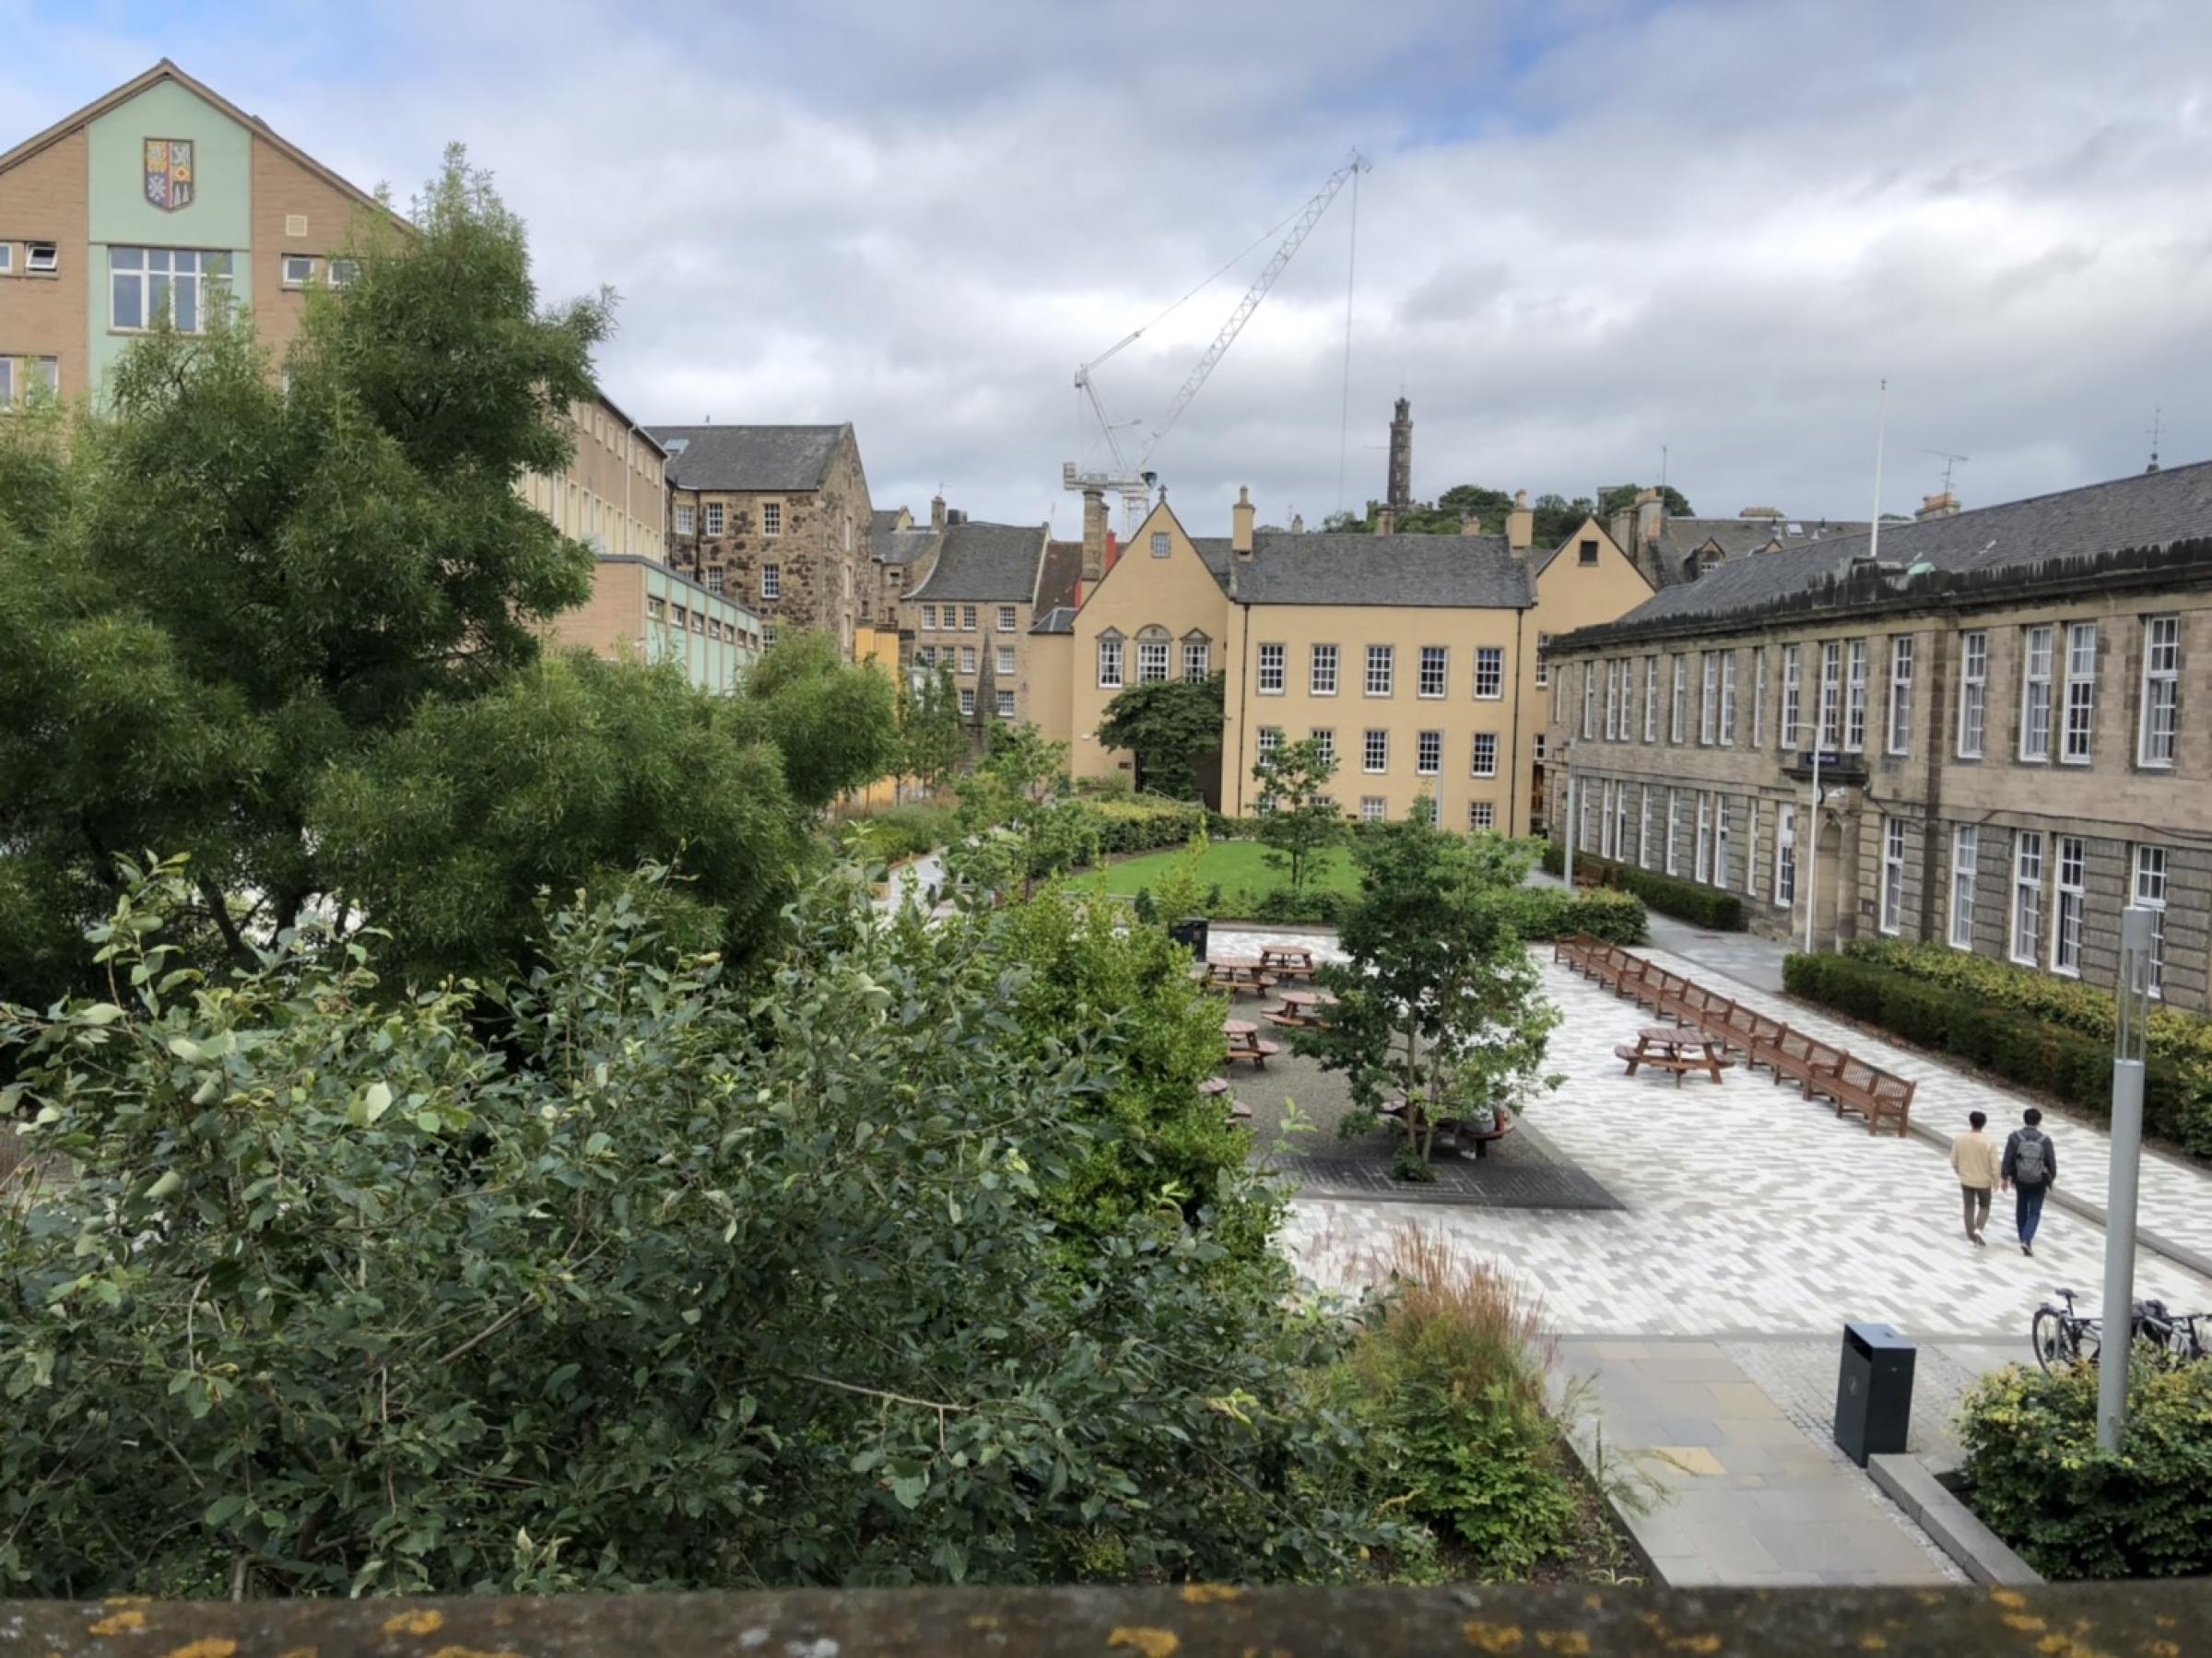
(2029, 1167)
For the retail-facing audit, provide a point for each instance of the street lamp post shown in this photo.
(2129, 1039)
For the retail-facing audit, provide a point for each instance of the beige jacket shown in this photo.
(1976, 1158)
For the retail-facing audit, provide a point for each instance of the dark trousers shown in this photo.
(1977, 1208)
(2027, 1209)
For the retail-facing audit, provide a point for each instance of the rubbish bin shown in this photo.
(1874, 1393)
(1191, 933)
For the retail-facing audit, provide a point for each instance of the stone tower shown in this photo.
(1400, 497)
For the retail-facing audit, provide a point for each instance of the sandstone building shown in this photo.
(2011, 709)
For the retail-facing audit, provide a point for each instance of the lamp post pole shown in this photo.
(2129, 1042)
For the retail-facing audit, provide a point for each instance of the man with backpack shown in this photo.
(2031, 1165)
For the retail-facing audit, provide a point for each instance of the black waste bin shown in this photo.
(1873, 1394)
(1191, 934)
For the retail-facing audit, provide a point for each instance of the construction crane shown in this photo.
(1132, 481)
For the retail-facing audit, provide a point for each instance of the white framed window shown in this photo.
(967, 659)
(2161, 690)
(147, 284)
(926, 655)
(967, 702)
(1110, 661)
(1609, 845)
(1646, 845)
(1589, 698)
(1004, 668)
(1151, 661)
(42, 258)
(1483, 760)
(1974, 692)
(1429, 753)
(2035, 694)
(1612, 700)
(1434, 672)
(1374, 750)
(771, 518)
(685, 518)
(1893, 874)
(1372, 808)
(1489, 672)
(1674, 811)
(1650, 699)
(1382, 670)
(966, 618)
(1619, 822)
(1628, 699)
(1966, 854)
(2150, 892)
(1269, 738)
(2027, 895)
(1004, 700)
(1785, 856)
(2066, 917)
(1481, 814)
(1751, 846)
(1854, 712)
(1005, 619)
(1320, 671)
(771, 580)
(1324, 743)
(1161, 543)
(1720, 839)
(1831, 695)
(1676, 723)
(1704, 841)
(1543, 660)
(1759, 698)
(929, 619)
(343, 272)
(1271, 671)
(1727, 698)
(2081, 694)
(7, 257)
(714, 518)
(768, 636)
(1793, 694)
(299, 269)
(1709, 697)
(1197, 659)
(1901, 693)
(715, 578)
(1537, 738)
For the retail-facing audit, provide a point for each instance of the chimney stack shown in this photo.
(936, 514)
(1386, 521)
(1298, 524)
(1651, 513)
(1094, 536)
(1938, 506)
(1240, 520)
(1519, 524)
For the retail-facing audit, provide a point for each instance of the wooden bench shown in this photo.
(1874, 1094)
(1746, 1028)
(1257, 1055)
(1674, 998)
(1805, 1060)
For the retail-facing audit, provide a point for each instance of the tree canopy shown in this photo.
(1168, 726)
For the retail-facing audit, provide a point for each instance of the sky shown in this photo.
(1599, 236)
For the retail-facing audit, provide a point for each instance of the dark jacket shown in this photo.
(2012, 1152)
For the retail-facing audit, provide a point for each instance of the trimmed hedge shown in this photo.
(1140, 822)
(1686, 901)
(1315, 905)
(2036, 1054)
(1544, 912)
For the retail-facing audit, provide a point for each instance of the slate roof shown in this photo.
(884, 519)
(1061, 575)
(1679, 538)
(748, 457)
(986, 562)
(903, 546)
(1444, 571)
(1060, 618)
(2143, 511)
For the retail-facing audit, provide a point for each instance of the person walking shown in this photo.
(2031, 1166)
(1975, 1159)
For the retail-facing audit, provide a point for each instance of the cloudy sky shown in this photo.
(1594, 229)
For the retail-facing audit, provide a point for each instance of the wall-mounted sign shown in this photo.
(168, 181)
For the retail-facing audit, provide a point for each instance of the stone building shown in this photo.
(1670, 550)
(972, 609)
(778, 517)
(901, 550)
(2007, 707)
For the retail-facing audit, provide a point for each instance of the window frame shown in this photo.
(1204, 658)
(1727, 698)
(2037, 642)
(1161, 545)
(1429, 753)
(1901, 666)
(771, 580)
(687, 518)
(715, 518)
(42, 258)
(1441, 657)
(283, 270)
(1854, 697)
(1543, 661)
(202, 278)
(1374, 808)
(1369, 764)
(1589, 698)
(1111, 648)
(1890, 916)
(2140, 876)
(2069, 903)
(1475, 753)
(1828, 730)
(1314, 659)
(1152, 658)
(1678, 716)
(1482, 817)
(2153, 698)
(2027, 899)
(1266, 667)
(1650, 699)
(1489, 672)
(1973, 693)
(1002, 697)
(1612, 699)
(1966, 878)
(966, 618)
(1674, 810)
(967, 702)
(1709, 698)
(1003, 662)
(1785, 856)
(771, 520)
(2079, 720)
(1005, 619)
(967, 660)
(1702, 865)
(1381, 669)
(1793, 697)
(1758, 697)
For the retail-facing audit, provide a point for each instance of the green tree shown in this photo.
(651, 1275)
(933, 741)
(1622, 496)
(1553, 518)
(836, 726)
(1297, 818)
(1472, 500)
(1439, 1004)
(1169, 726)
(1018, 817)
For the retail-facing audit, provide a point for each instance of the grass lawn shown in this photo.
(1239, 867)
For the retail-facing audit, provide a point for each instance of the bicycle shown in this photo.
(2061, 1336)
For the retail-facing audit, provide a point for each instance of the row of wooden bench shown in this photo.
(1819, 1070)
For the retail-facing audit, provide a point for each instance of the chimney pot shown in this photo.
(1386, 521)
(1520, 525)
(1239, 521)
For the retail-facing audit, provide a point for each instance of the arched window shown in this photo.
(1151, 656)
(1197, 656)
(1110, 660)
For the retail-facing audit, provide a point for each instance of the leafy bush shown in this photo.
(1541, 912)
(1686, 901)
(1140, 822)
(1221, 826)
(2074, 1068)
(1285, 906)
(1143, 906)
(906, 831)
(2038, 1479)
(640, 1275)
(1453, 1374)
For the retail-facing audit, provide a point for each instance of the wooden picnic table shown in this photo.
(1240, 973)
(1301, 1008)
(1673, 1048)
(1245, 1044)
(1454, 1133)
(1295, 959)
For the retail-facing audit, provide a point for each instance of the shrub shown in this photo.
(2038, 1479)
(2077, 1068)
(1314, 906)
(1140, 822)
(1686, 901)
(1541, 912)
(905, 831)
(1221, 826)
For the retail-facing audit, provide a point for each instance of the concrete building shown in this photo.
(641, 610)
(778, 517)
(2008, 710)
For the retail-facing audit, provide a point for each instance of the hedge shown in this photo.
(1686, 901)
(2037, 1054)
(1140, 822)
(1541, 912)
(904, 831)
